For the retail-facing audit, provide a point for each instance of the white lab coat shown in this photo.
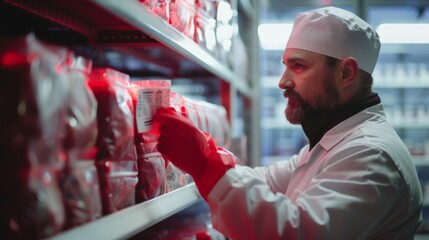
(358, 182)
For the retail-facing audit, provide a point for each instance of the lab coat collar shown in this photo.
(371, 115)
(315, 128)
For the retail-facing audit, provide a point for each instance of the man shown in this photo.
(354, 180)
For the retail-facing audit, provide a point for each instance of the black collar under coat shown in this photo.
(315, 127)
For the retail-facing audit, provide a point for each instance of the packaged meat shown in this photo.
(148, 96)
(182, 16)
(118, 180)
(31, 205)
(115, 115)
(81, 193)
(33, 92)
(81, 108)
(151, 173)
(158, 7)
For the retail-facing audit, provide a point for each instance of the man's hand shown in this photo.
(191, 150)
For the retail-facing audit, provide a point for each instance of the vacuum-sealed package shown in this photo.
(216, 122)
(207, 117)
(182, 16)
(115, 140)
(159, 7)
(205, 27)
(116, 159)
(81, 109)
(178, 103)
(81, 193)
(224, 30)
(79, 180)
(175, 178)
(117, 181)
(37, 211)
(148, 96)
(151, 173)
(32, 96)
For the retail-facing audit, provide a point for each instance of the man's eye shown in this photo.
(298, 67)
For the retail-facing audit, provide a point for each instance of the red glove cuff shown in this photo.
(219, 161)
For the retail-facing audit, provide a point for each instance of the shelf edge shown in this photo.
(129, 221)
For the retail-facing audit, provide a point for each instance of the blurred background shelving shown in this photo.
(401, 76)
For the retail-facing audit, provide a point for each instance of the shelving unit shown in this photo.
(112, 33)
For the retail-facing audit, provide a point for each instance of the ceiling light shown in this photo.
(403, 33)
(274, 36)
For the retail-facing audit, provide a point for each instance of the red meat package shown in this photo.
(115, 110)
(79, 181)
(159, 7)
(81, 193)
(148, 96)
(151, 173)
(182, 14)
(118, 181)
(81, 130)
(116, 156)
(33, 90)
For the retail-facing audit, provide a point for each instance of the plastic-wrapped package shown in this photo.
(37, 210)
(217, 122)
(224, 29)
(79, 181)
(175, 178)
(177, 102)
(159, 7)
(32, 95)
(118, 180)
(148, 96)
(208, 117)
(205, 24)
(115, 140)
(151, 173)
(207, 6)
(182, 14)
(116, 159)
(205, 31)
(81, 115)
(81, 193)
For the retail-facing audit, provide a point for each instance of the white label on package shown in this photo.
(148, 102)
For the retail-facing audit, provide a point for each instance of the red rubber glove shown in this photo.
(191, 150)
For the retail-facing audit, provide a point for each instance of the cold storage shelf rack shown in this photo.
(106, 25)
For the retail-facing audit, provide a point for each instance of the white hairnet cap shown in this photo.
(336, 33)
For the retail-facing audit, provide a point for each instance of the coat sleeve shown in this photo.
(277, 175)
(353, 196)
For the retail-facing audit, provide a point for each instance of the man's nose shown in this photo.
(286, 82)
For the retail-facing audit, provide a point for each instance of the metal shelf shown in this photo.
(121, 32)
(137, 15)
(128, 24)
(132, 220)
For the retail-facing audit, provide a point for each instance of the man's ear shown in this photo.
(350, 70)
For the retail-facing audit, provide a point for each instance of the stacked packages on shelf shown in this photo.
(78, 142)
(210, 24)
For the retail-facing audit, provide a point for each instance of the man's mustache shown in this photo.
(291, 93)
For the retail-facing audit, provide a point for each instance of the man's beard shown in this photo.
(299, 109)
